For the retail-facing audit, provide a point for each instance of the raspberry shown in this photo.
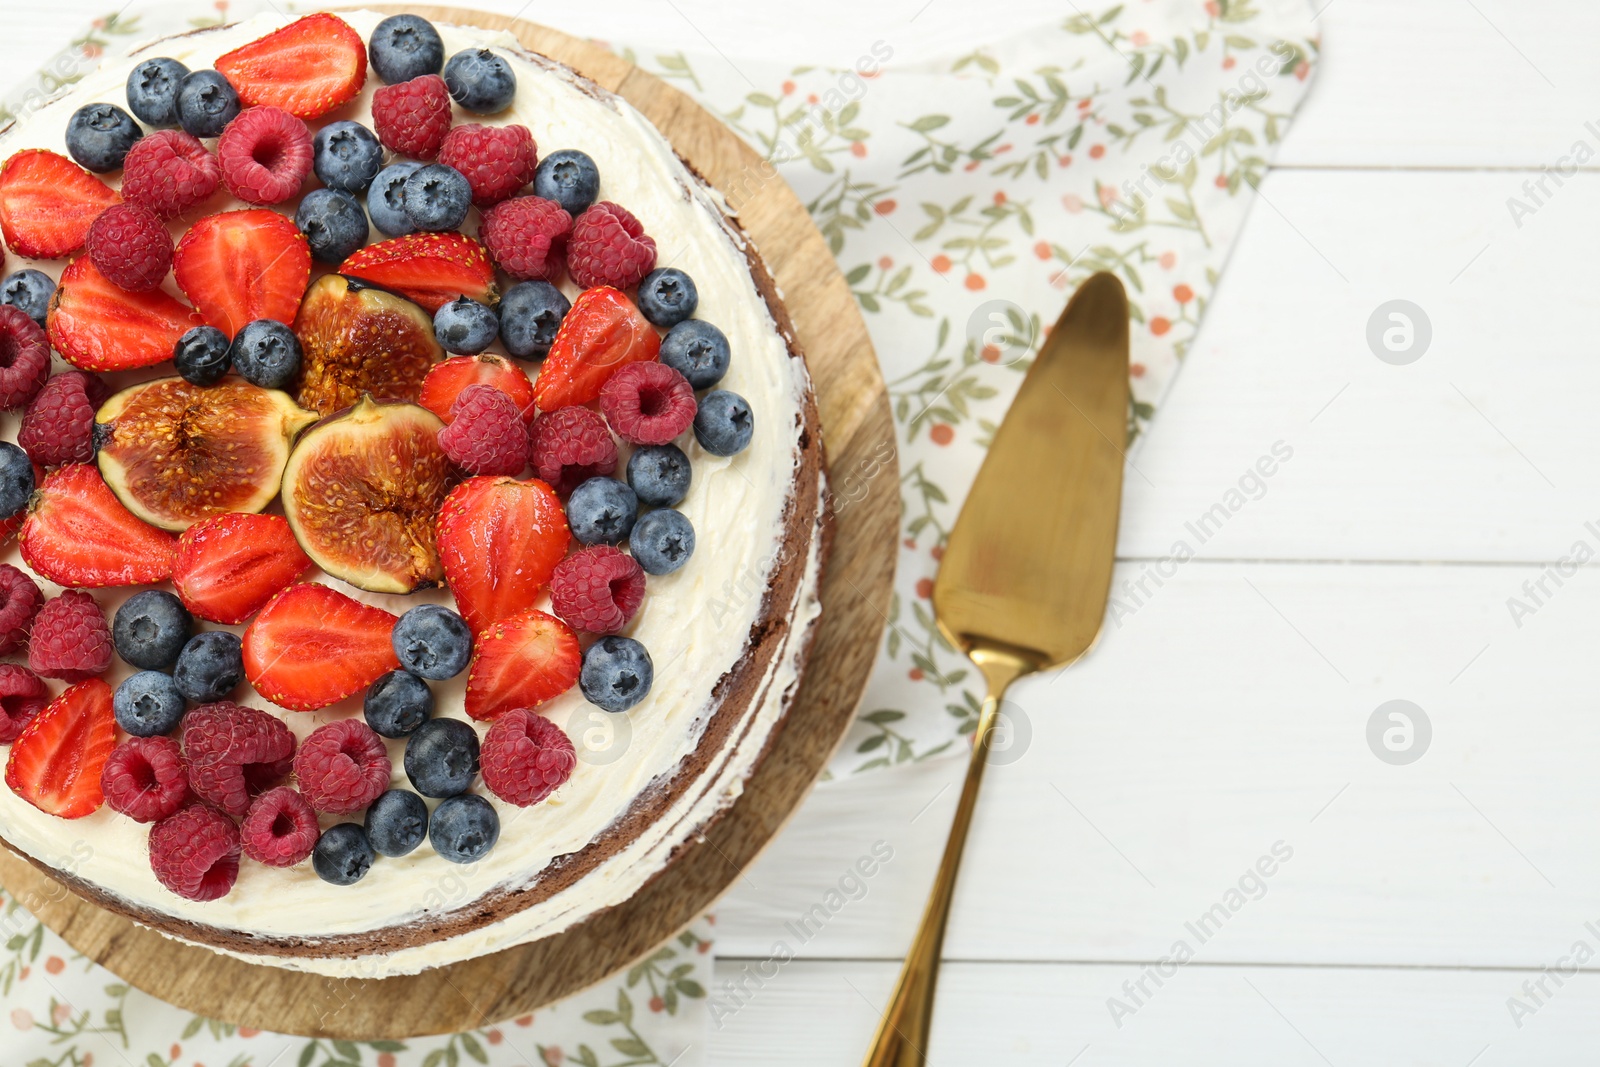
(486, 434)
(280, 829)
(342, 766)
(70, 638)
(648, 403)
(412, 117)
(608, 246)
(527, 236)
(195, 853)
(169, 172)
(598, 589)
(58, 427)
(24, 358)
(23, 695)
(265, 155)
(569, 446)
(497, 160)
(144, 779)
(20, 601)
(234, 753)
(130, 246)
(526, 757)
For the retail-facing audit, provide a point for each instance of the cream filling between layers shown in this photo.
(694, 623)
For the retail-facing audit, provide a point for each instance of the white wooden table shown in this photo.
(1229, 712)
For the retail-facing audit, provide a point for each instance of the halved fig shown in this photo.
(361, 491)
(176, 453)
(361, 341)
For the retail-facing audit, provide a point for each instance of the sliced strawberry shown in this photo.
(308, 68)
(229, 566)
(241, 266)
(430, 268)
(500, 540)
(56, 764)
(313, 646)
(100, 327)
(446, 380)
(521, 662)
(47, 203)
(78, 534)
(602, 333)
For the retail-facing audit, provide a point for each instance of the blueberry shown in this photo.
(662, 541)
(530, 315)
(343, 855)
(201, 355)
(480, 81)
(334, 224)
(667, 296)
(698, 351)
(99, 136)
(442, 758)
(210, 666)
(437, 198)
(616, 674)
(659, 474)
(148, 704)
(266, 353)
(724, 423)
(30, 291)
(405, 47)
(465, 327)
(150, 629)
(206, 103)
(397, 704)
(386, 198)
(464, 828)
(602, 511)
(397, 822)
(568, 177)
(346, 155)
(153, 91)
(432, 642)
(16, 479)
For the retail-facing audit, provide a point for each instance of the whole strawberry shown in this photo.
(527, 236)
(70, 638)
(498, 161)
(486, 434)
(130, 245)
(608, 246)
(412, 117)
(58, 427)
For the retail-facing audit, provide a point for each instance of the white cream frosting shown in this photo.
(694, 623)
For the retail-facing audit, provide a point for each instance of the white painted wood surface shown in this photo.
(1228, 711)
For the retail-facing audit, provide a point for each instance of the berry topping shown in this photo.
(23, 695)
(334, 224)
(150, 629)
(235, 753)
(47, 203)
(609, 247)
(313, 646)
(78, 534)
(397, 823)
(437, 198)
(55, 764)
(602, 332)
(667, 296)
(480, 81)
(571, 445)
(16, 486)
(70, 639)
(527, 236)
(660, 475)
(131, 247)
(308, 68)
(397, 704)
(96, 325)
(429, 268)
(597, 590)
(201, 356)
(412, 117)
(662, 541)
(342, 767)
(343, 855)
(526, 757)
(280, 829)
(521, 662)
(206, 104)
(386, 198)
(724, 423)
(648, 403)
(30, 290)
(432, 642)
(346, 156)
(265, 155)
(24, 358)
(170, 172)
(486, 434)
(20, 601)
(602, 511)
(499, 540)
(442, 758)
(446, 381)
(530, 315)
(144, 779)
(266, 353)
(153, 91)
(241, 266)
(195, 853)
(464, 828)
(58, 426)
(230, 565)
(568, 177)
(405, 47)
(210, 666)
(466, 327)
(498, 161)
(148, 704)
(99, 136)
(617, 673)
(698, 351)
